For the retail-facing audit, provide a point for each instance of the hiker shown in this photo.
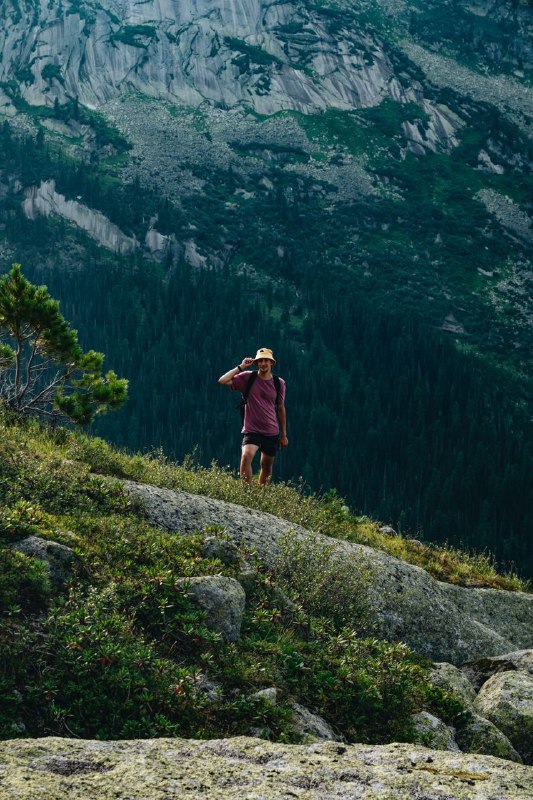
(264, 420)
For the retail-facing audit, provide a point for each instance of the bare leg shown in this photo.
(267, 462)
(248, 453)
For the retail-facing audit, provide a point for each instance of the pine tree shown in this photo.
(43, 370)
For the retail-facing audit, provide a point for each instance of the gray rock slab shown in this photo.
(475, 734)
(250, 769)
(433, 732)
(452, 679)
(506, 699)
(439, 620)
(311, 726)
(224, 551)
(269, 695)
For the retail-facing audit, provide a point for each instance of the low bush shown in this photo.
(105, 680)
(327, 586)
(24, 582)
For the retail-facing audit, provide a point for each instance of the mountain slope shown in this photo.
(329, 163)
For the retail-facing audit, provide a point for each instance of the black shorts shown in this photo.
(267, 444)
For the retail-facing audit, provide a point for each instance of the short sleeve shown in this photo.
(282, 388)
(238, 382)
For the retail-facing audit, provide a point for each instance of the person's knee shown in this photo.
(246, 457)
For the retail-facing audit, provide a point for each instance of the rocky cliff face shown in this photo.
(268, 56)
(44, 200)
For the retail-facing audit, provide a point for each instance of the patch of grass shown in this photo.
(24, 583)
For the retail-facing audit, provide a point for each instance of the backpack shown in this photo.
(247, 388)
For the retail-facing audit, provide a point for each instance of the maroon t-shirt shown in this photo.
(260, 410)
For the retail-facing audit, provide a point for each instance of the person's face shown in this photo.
(264, 364)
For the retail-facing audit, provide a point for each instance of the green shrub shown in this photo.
(104, 680)
(326, 585)
(367, 688)
(21, 698)
(21, 520)
(24, 583)
(58, 486)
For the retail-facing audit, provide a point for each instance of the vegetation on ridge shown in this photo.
(327, 514)
(119, 650)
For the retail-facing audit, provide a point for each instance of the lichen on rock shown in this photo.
(235, 769)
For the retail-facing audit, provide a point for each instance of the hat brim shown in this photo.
(267, 358)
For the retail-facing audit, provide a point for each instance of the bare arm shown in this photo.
(282, 416)
(226, 379)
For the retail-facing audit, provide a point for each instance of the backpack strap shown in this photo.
(247, 389)
(277, 384)
(249, 384)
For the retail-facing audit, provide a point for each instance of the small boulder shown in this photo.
(58, 558)
(475, 734)
(482, 669)
(433, 732)
(388, 530)
(506, 699)
(211, 690)
(222, 599)
(310, 726)
(269, 696)
(216, 548)
(451, 679)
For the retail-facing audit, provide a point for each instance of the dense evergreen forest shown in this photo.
(382, 407)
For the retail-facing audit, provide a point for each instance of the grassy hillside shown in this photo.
(118, 650)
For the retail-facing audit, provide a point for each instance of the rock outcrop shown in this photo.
(479, 671)
(442, 621)
(270, 56)
(234, 769)
(44, 200)
(451, 679)
(433, 732)
(58, 558)
(506, 699)
(475, 734)
(222, 599)
(311, 726)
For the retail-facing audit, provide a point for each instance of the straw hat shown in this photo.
(265, 352)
